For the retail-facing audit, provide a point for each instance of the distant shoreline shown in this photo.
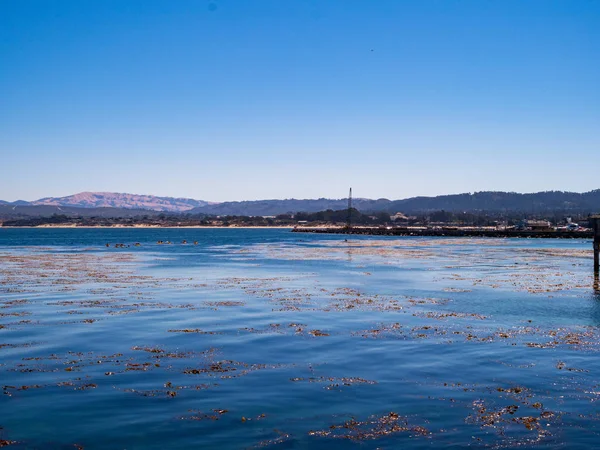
(145, 227)
(448, 232)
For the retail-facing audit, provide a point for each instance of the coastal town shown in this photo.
(427, 224)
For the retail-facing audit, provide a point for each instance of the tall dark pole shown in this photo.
(349, 219)
(595, 222)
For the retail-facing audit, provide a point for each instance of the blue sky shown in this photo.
(249, 99)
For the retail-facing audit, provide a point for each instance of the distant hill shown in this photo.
(479, 201)
(15, 203)
(28, 211)
(118, 200)
(114, 203)
(538, 202)
(274, 207)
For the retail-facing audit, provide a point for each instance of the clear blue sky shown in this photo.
(248, 99)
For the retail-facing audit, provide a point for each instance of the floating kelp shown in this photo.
(376, 324)
(535, 427)
(332, 383)
(215, 414)
(375, 427)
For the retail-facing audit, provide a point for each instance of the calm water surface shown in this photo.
(270, 339)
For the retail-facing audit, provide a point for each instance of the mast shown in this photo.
(349, 218)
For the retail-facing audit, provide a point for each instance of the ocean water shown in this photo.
(262, 338)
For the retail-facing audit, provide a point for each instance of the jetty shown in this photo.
(452, 232)
(595, 224)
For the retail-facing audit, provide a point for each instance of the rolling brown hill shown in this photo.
(125, 201)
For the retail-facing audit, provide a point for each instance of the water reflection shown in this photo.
(348, 250)
(595, 308)
(198, 341)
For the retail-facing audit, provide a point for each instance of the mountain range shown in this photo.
(479, 201)
(116, 200)
(102, 203)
